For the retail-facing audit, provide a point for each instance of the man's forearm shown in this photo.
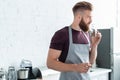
(93, 54)
(60, 66)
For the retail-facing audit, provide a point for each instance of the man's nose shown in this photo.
(90, 20)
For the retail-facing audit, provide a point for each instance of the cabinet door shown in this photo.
(94, 79)
(103, 77)
(52, 77)
(100, 77)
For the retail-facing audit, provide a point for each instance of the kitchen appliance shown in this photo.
(23, 73)
(105, 50)
(37, 73)
(26, 72)
(27, 64)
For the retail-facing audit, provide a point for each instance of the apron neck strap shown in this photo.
(86, 37)
(70, 35)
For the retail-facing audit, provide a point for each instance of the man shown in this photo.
(72, 50)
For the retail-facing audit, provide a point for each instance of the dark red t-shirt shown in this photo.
(60, 41)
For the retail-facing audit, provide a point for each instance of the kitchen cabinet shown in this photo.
(50, 74)
(100, 74)
(101, 77)
(116, 67)
(95, 74)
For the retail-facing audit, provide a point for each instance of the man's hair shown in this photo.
(81, 6)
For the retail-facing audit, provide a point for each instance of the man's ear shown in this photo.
(79, 17)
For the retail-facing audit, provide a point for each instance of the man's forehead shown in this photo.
(85, 12)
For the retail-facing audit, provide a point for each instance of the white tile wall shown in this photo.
(26, 26)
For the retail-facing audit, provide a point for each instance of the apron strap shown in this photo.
(70, 35)
(86, 37)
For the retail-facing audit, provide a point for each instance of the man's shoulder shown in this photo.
(63, 31)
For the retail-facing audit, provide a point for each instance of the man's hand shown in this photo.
(82, 67)
(96, 39)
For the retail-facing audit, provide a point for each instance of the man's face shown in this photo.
(85, 20)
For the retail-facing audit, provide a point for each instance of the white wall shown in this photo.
(117, 30)
(26, 26)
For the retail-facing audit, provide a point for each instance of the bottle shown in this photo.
(2, 74)
(12, 73)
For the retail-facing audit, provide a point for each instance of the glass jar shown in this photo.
(12, 73)
(2, 74)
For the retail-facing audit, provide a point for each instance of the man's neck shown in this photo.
(75, 26)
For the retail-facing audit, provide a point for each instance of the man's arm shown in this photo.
(93, 54)
(54, 63)
(94, 45)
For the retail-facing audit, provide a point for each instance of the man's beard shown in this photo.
(84, 26)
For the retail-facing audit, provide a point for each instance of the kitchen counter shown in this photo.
(94, 74)
(98, 71)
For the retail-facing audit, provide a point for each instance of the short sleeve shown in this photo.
(57, 41)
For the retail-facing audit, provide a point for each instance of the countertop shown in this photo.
(93, 72)
(99, 71)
